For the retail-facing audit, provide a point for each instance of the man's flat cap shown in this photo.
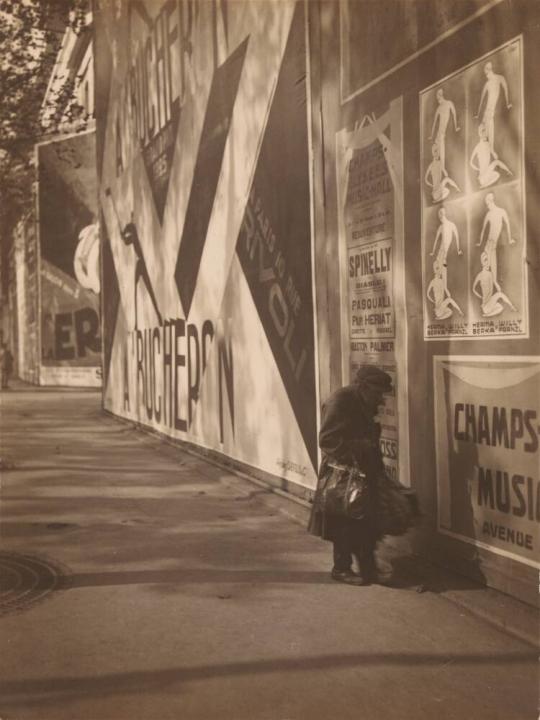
(373, 376)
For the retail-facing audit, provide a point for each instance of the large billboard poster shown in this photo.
(204, 199)
(69, 262)
(370, 191)
(487, 441)
(473, 200)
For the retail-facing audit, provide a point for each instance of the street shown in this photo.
(177, 590)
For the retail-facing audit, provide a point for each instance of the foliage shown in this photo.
(30, 35)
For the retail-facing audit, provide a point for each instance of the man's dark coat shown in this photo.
(348, 434)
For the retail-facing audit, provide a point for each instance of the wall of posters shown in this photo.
(466, 76)
(204, 194)
(487, 441)
(473, 200)
(69, 262)
(370, 190)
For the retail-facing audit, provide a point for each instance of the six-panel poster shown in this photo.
(473, 200)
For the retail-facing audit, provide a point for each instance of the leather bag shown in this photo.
(345, 492)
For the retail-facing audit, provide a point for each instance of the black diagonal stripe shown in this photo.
(274, 244)
(206, 174)
(111, 300)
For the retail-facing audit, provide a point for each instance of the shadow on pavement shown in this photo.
(52, 690)
(191, 575)
(409, 571)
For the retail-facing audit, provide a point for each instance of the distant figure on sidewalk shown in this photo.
(6, 365)
(348, 435)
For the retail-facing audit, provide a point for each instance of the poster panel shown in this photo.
(69, 262)
(487, 440)
(473, 200)
(370, 191)
(204, 199)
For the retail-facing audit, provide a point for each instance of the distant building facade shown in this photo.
(54, 279)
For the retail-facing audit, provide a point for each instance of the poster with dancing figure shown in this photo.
(473, 200)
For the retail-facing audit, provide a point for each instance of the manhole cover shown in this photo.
(25, 580)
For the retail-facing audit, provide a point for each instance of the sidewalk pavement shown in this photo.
(180, 591)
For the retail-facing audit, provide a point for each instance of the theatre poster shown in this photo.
(370, 207)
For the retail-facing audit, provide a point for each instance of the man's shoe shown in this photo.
(348, 577)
